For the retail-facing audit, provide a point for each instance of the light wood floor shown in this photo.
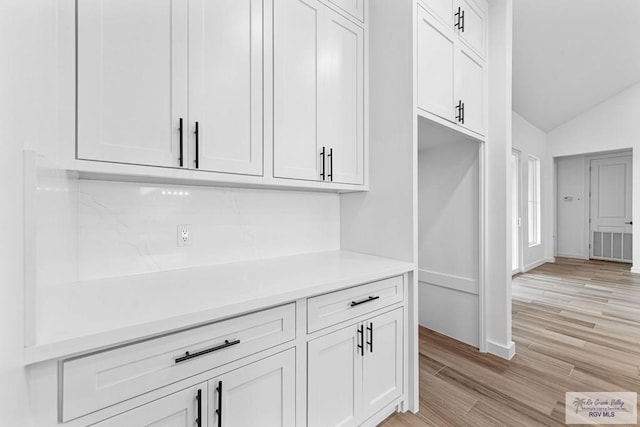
(576, 325)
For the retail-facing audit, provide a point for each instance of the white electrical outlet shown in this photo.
(184, 235)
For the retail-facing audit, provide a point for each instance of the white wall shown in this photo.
(498, 194)
(529, 140)
(571, 200)
(27, 116)
(96, 229)
(448, 238)
(611, 125)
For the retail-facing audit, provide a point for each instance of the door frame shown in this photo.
(587, 184)
(519, 204)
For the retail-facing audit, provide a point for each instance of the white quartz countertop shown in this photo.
(90, 315)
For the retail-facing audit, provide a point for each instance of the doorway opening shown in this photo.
(594, 206)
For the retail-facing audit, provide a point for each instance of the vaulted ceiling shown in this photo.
(570, 55)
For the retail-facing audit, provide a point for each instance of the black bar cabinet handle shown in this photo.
(462, 115)
(370, 342)
(364, 301)
(197, 133)
(322, 155)
(181, 158)
(189, 356)
(199, 400)
(361, 339)
(462, 20)
(331, 164)
(457, 16)
(219, 410)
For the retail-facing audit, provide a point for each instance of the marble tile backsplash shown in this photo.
(116, 228)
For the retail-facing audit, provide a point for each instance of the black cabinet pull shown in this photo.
(370, 342)
(322, 155)
(199, 400)
(361, 339)
(181, 158)
(197, 134)
(364, 301)
(459, 111)
(462, 113)
(331, 165)
(457, 16)
(189, 356)
(462, 21)
(219, 410)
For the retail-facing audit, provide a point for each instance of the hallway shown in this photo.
(576, 325)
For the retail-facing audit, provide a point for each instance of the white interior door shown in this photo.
(260, 394)
(610, 213)
(132, 80)
(225, 86)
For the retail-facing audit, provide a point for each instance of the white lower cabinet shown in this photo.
(180, 409)
(260, 394)
(356, 371)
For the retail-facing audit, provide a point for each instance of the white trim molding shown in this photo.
(505, 352)
(449, 281)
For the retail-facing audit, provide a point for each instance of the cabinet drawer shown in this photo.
(329, 309)
(99, 380)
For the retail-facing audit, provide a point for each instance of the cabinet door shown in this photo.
(474, 28)
(132, 80)
(470, 89)
(260, 394)
(176, 410)
(436, 54)
(296, 38)
(383, 361)
(443, 10)
(341, 98)
(334, 379)
(225, 86)
(354, 8)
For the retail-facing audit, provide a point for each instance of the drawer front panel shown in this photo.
(96, 381)
(330, 309)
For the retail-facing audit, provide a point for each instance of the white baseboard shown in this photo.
(505, 352)
(574, 256)
(635, 270)
(537, 264)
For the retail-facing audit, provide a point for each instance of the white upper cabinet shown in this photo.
(451, 65)
(295, 117)
(436, 53)
(132, 80)
(470, 90)
(442, 9)
(341, 99)
(318, 94)
(470, 22)
(225, 85)
(354, 8)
